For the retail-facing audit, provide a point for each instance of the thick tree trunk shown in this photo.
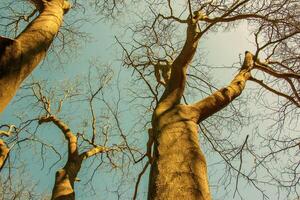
(64, 181)
(19, 57)
(179, 169)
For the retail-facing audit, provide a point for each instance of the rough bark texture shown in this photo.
(19, 57)
(221, 98)
(178, 170)
(65, 178)
(175, 87)
(179, 167)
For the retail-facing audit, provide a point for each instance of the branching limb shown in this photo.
(98, 149)
(70, 137)
(175, 87)
(222, 18)
(224, 96)
(10, 130)
(4, 148)
(287, 76)
(163, 77)
(240, 166)
(263, 66)
(139, 180)
(261, 83)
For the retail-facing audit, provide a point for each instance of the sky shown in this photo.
(222, 49)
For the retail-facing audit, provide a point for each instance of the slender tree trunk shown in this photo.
(179, 169)
(19, 57)
(64, 180)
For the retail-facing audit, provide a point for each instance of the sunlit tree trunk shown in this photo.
(4, 151)
(179, 169)
(20, 56)
(65, 178)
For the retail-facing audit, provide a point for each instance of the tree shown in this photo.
(66, 177)
(20, 56)
(178, 166)
(164, 53)
(94, 140)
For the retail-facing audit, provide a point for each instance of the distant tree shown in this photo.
(66, 177)
(94, 140)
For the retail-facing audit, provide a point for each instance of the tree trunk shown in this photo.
(179, 169)
(64, 181)
(4, 151)
(20, 56)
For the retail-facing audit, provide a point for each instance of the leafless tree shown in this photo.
(95, 141)
(178, 166)
(163, 54)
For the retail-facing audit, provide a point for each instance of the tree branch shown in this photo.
(175, 87)
(70, 137)
(224, 96)
(260, 82)
(94, 151)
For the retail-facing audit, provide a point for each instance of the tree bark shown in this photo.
(175, 87)
(179, 169)
(19, 57)
(4, 151)
(64, 180)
